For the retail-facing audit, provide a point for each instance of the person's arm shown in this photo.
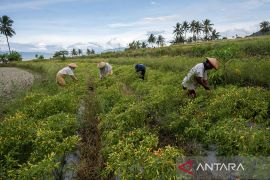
(100, 74)
(74, 77)
(202, 82)
(205, 82)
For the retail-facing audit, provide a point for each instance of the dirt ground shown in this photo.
(13, 80)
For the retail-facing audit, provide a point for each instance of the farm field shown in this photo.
(139, 128)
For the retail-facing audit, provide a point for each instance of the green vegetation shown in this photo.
(240, 48)
(6, 28)
(12, 56)
(40, 57)
(40, 127)
(265, 26)
(142, 126)
(61, 54)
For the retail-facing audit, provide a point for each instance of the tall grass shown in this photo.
(259, 46)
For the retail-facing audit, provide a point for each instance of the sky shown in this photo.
(50, 25)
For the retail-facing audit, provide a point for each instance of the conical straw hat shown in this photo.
(101, 65)
(72, 65)
(213, 62)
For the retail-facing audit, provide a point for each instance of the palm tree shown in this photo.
(73, 52)
(178, 30)
(6, 28)
(185, 28)
(215, 35)
(93, 51)
(138, 44)
(132, 45)
(207, 28)
(88, 52)
(265, 26)
(144, 45)
(79, 52)
(178, 33)
(193, 29)
(152, 39)
(160, 40)
(198, 29)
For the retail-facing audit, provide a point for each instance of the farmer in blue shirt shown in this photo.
(140, 69)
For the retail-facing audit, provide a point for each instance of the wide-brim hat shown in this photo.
(213, 62)
(101, 65)
(73, 65)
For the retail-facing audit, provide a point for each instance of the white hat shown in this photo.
(101, 65)
(73, 65)
(213, 62)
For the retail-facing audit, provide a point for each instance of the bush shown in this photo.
(14, 56)
(3, 58)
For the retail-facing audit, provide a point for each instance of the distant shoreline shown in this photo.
(27, 56)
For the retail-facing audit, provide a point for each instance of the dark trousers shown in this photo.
(142, 73)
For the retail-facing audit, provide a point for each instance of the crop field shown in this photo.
(139, 128)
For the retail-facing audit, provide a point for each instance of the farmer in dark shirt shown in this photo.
(140, 68)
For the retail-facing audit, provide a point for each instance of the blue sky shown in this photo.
(49, 25)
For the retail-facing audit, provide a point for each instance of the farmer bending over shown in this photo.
(104, 69)
(140, 69)
(198, 75)
(60, 77)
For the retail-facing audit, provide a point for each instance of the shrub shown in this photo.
(14, 56)
(3, 58)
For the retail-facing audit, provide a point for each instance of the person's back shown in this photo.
(104, 69)
(197, 71)
(66, 71)
(140, 68)
(198, 75)
(61, 74)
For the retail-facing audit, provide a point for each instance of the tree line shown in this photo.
(199, 30)
(74, 52)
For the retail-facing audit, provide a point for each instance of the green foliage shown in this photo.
(256, 48)
(3, 58)
(144, 125)
(14, 56)
(6, 28)
(41, 57)
(40, 130)
(211, 120)
(135, 156)
(234, 138)
(60, 54)
(239, 48)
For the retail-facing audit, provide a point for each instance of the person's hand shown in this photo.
(207, 88)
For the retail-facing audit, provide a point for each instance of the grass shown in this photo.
(133, 128)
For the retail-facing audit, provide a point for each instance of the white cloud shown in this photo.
(146, 21)
(153, 3)
(39, 47)
(239, 28)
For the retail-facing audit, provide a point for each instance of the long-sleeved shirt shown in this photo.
(189, 81)
(139, 67)
(106, 70)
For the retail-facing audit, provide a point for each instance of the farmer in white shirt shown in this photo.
(198, 75)
(104, 69)
(66, 71)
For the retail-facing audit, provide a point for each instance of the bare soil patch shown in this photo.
(12, 81)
